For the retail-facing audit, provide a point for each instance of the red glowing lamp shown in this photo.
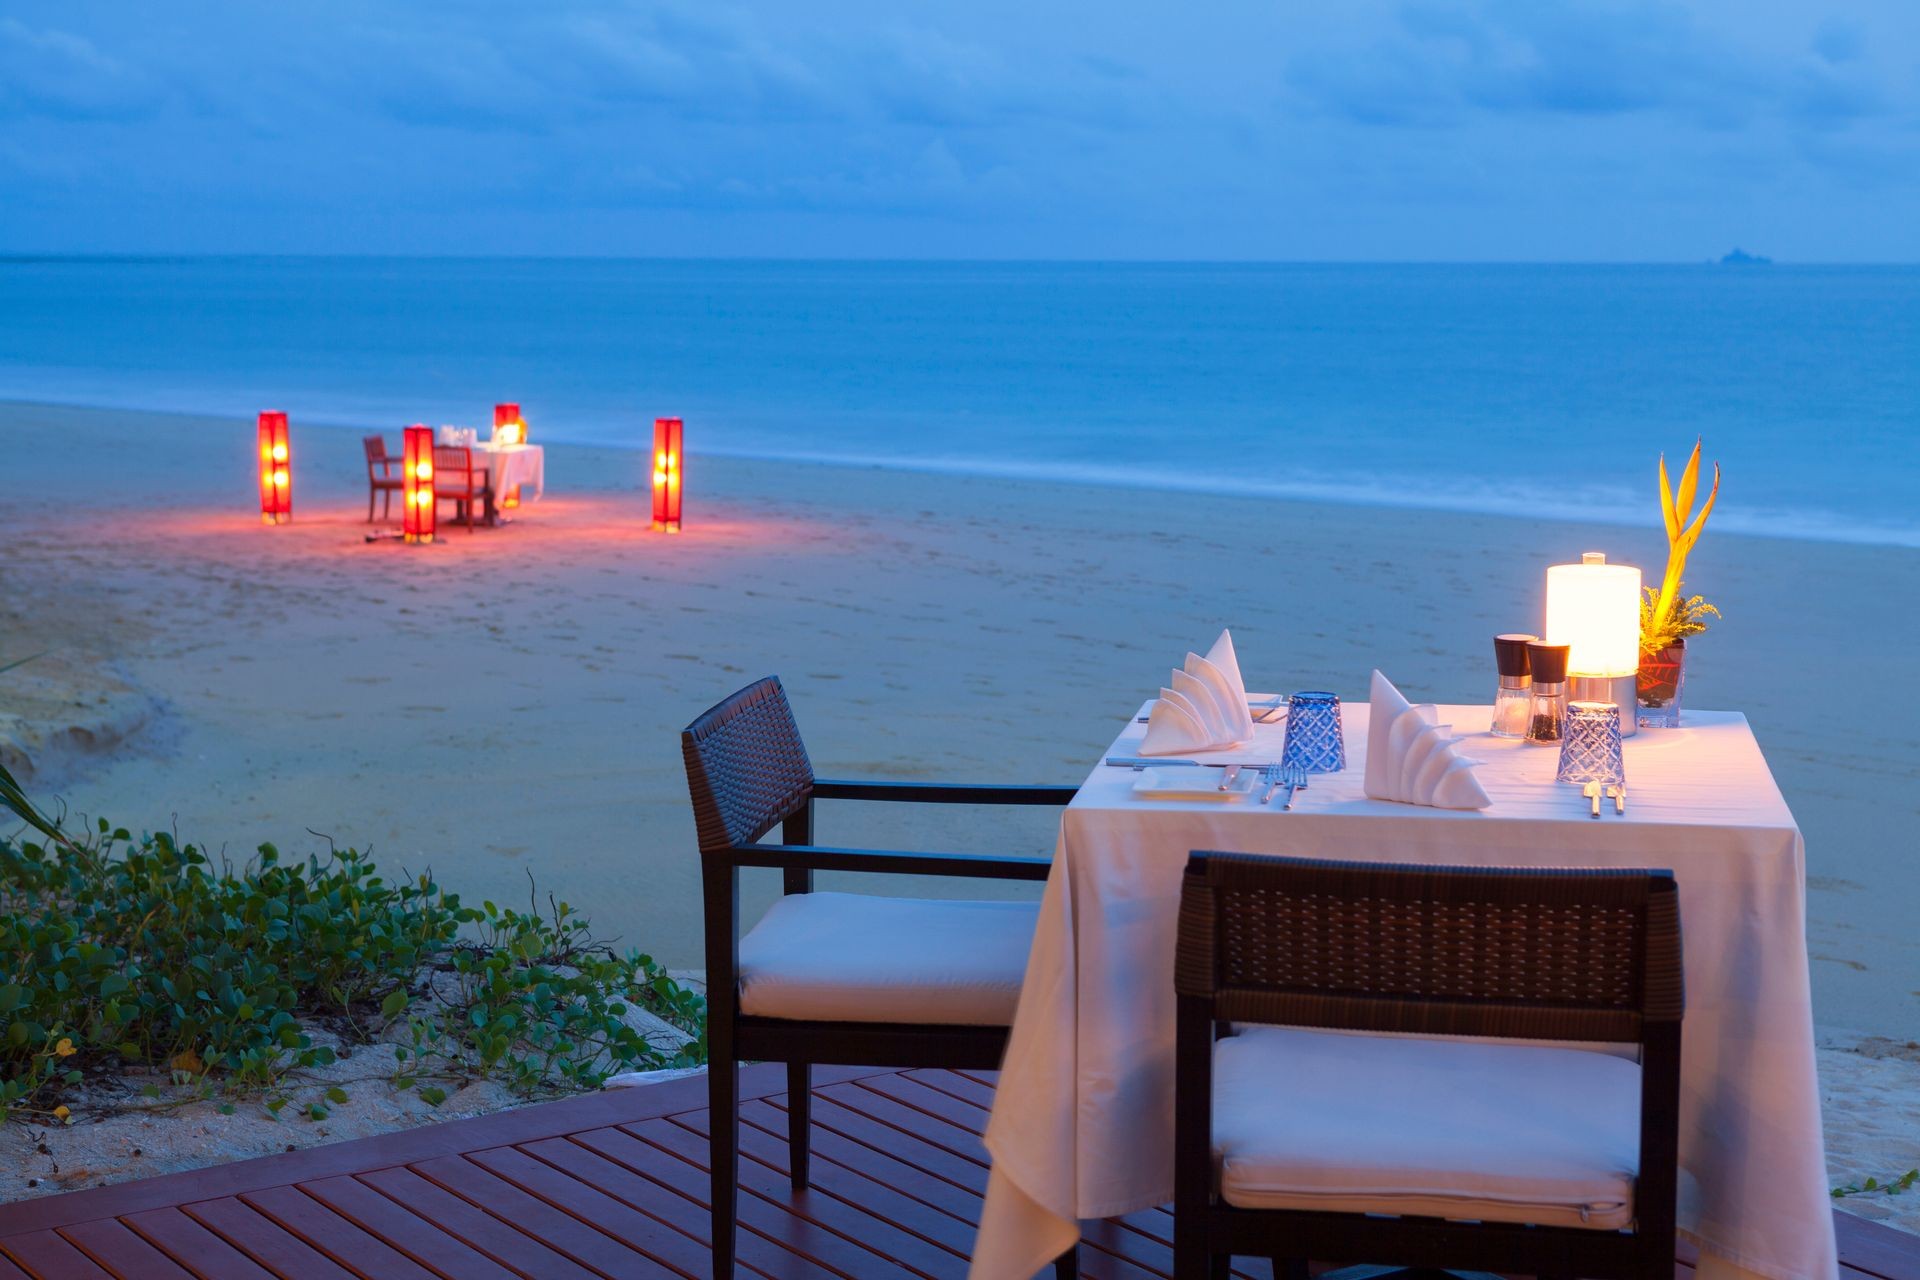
(508, 426)
(666, 475)
(418, 507)
(276, 470)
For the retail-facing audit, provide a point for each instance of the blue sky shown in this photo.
(1511, 129)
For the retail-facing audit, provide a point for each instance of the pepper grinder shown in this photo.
(1547, 700)
(1510, 700)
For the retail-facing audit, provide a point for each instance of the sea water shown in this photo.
(1541, 390)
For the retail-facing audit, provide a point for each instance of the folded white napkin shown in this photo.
(1204, 710)
(1412, 759)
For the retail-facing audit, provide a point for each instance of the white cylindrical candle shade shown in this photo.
(1594, 607)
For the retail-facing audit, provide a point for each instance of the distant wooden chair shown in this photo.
(1437, 1141)
(841, 978)
(383, 476)
(457, 480)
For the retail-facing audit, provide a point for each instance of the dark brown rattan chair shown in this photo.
(748, 773)
(383, 476)
(1425, 952)
(457, 480)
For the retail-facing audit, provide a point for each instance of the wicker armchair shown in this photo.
(1441, 1143)
(383, 476)
(457, 480)
(829, 977)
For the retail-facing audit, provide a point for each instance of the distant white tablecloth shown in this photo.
(514, 465)
(1082, 1124)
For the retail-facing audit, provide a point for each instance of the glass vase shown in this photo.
(1662, 677)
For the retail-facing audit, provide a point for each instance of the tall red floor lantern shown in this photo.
(666, 475)
(416, 469)
(276, 470)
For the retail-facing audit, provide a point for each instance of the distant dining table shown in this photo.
(516, 473)
(1082, 1123)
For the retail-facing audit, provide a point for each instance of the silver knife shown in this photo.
(1154, 762)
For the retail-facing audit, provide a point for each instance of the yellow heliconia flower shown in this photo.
(1683, 526)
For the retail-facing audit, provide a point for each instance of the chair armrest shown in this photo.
(939, 792)
(979, 866)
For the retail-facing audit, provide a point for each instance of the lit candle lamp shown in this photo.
(1594, 608)
(666, 474)
(508, 426)
(416, 467)
(276, 469)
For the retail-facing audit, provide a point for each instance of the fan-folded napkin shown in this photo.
(1412, 759)
(1205, 709)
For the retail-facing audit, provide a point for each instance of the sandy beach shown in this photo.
(504, 706)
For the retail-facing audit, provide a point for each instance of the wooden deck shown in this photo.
(612, 1186)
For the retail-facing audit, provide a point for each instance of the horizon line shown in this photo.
(28, 256)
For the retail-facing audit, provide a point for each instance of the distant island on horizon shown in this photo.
(1741, 258)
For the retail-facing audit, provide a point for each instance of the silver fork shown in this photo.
(1270, 774)
(1296, 780)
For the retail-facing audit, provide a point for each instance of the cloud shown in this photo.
(1443, 66)
(58, 74)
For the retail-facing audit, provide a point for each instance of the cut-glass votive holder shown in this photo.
(1590, 744)
(1315, 743)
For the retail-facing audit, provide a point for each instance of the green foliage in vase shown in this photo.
(121, 952)
(1685, 618)
(1666, 614)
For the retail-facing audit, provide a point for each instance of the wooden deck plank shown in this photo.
(897, 1115)
(879, 1136)
(501, 1241)
(959, 1086)
(754, 1247)
(194, 1247)
(1877, 1249)
(849, 1187)
(319, 1228)
(121, 1252)
(928, 1101)
(598, 1253)
(908, 1178)
(615, 1185)
(659, 1240)
(44, 1255)
(405, 1231)
(264, 1240)
(389, 1150)
(848, 1240)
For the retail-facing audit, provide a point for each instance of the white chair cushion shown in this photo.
(849, 957)
(1470, 1130)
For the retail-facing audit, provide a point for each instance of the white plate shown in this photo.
(1193, 782)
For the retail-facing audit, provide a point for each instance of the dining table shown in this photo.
(1082, 1121)
(516, 473)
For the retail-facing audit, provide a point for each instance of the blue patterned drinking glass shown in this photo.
(1314, 741)
(1590, 744)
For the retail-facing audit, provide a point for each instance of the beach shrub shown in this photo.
(120, 952)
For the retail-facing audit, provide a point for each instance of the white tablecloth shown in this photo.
(515, 465)
(1082, 1125)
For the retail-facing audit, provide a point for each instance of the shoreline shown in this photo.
(1609, 508)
